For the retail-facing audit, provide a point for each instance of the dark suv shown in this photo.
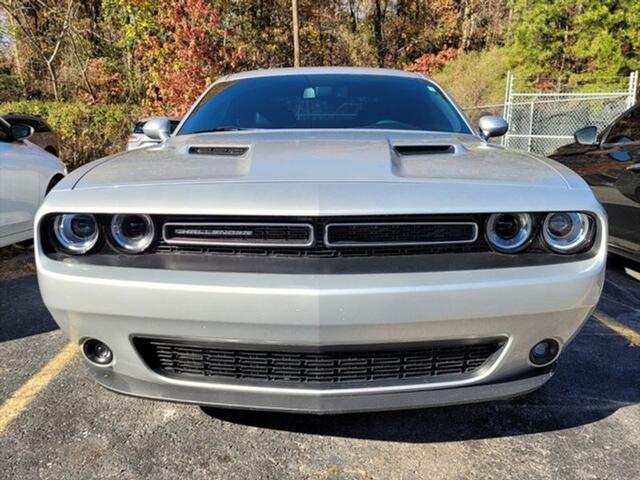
(610, 163)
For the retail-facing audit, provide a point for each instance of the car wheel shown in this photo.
(51, 150)
(24, 245)
(619, 262)
(54, 181)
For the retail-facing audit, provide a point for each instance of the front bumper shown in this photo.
(330, 403)
(522, 305)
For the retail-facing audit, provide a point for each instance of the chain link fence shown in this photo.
(540, 122)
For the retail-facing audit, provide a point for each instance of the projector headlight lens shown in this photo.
(509, 232)
(76, 233)
(133, 233)
(567, 232)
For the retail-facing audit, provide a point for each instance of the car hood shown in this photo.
(320, 157)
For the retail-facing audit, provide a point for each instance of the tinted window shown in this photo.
(21, 120)
(325, 101)
(36, 124)
(5, 136)
(42, 127)
(138, 127)
(11, 120)
(627, 128)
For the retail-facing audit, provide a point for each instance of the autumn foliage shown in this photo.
(105, 82)
(184, 53)
(431, 62)
(148, 57)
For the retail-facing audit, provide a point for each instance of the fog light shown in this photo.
(97, 352)
(544, 352)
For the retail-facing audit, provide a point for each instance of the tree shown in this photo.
(430, 63)
(379, 11)
(261, 31)
(183, 54)
(45, 27)
(576, 40)
(296, 33)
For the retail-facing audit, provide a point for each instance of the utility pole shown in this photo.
(296, 33)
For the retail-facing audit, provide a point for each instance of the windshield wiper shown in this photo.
(222, 129)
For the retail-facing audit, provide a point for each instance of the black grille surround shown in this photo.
(244, 234)
(385, 234)
(319, 258)
(328, 367)
(398, 235)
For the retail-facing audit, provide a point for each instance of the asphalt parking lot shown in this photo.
(583, 424)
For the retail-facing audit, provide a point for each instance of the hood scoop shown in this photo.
(424, 149)
(219, 151)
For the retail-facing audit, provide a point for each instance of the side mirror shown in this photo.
(158, 128)
(20, 131)
(586, 136)
(492, 126)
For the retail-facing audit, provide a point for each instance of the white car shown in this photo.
(27, 173)
(322, 240)
(43, 135)
(137, 138)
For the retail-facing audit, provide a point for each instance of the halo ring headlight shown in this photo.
(509, 232)
(76, 233)
(566, 232)
(133, 233)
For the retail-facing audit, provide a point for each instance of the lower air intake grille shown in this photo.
(180, 359)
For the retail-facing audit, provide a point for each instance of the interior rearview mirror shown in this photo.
(158, 128)
(586, 136)
(492, 126)
(20, 131)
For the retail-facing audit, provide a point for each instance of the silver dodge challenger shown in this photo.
(322, 240)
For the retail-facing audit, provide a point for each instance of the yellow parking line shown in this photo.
(628, 333)
(21, 398)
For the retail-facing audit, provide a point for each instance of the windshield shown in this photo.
(325, 101)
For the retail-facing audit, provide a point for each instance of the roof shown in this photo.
(277, 72)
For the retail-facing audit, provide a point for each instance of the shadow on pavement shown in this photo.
(22, 312)
(597, 375)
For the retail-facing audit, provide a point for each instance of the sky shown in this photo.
(5, 41)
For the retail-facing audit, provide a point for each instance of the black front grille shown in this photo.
(351, 236)
(237, 233)
(406, 233)
(314, 367)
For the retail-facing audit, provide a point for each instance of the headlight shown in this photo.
(76, 232)
(566, 232)
(132, 232)
(509, 232)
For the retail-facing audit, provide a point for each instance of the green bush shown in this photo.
(476, 78)
(85, 132)
(9, 87)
